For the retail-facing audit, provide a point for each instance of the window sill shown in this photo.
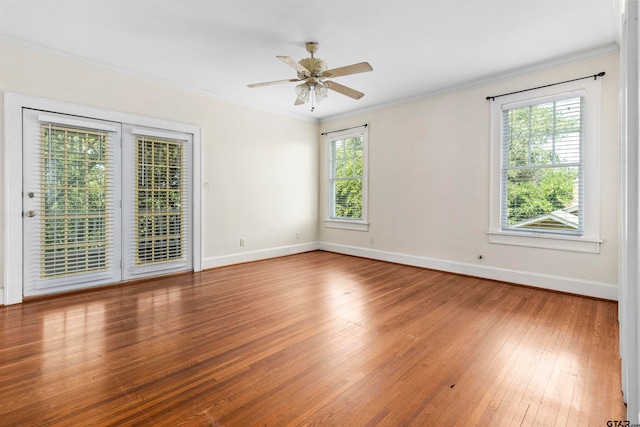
(546, 241)
(347, 224)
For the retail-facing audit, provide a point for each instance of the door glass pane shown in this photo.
(74, 183)
(159, 194)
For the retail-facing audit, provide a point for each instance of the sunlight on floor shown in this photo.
(70, 334)
(544, 375)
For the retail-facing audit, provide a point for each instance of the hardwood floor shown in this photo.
(311, 339)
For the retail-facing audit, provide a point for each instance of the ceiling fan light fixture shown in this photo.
(321, 91)
(311, 73)
(302, 91)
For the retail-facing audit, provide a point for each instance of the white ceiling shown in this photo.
(217, 47)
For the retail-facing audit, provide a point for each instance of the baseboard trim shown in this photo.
(572, 285)
(257, 255)
(566, 284)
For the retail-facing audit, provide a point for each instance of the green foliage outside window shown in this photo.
(347, 177)
(543, 144)
(74, 186)
(159, 200)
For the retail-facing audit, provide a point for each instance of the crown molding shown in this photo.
(606, 50)
(148, 78)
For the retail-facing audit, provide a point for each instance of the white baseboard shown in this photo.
(571, 285)
(546, 281)
(240, 257)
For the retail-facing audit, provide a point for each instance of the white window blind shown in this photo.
(542, 185)
(160, 190)
(76, 221)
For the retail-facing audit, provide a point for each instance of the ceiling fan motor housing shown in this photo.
(315, 65)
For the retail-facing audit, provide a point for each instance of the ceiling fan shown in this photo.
(313, 73)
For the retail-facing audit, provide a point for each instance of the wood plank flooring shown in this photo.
(311, 339)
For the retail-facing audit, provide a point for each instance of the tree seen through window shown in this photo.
(346, 177)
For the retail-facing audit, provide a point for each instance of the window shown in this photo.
(348, 179)
(542, 167)
(544, 183)
(159, 193)
(74, 182)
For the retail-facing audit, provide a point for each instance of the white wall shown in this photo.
(262, 167)
(429, 188)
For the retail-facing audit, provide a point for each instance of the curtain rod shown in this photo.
(595, 76)
(340, 130)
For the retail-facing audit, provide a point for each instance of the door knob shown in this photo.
(31, 194)
(31, 214)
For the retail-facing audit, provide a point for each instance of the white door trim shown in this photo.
(13, 104)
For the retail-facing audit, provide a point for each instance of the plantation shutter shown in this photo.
(157, 202)
(542, 186)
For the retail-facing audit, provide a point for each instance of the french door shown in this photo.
(156, 200)
(102, 202)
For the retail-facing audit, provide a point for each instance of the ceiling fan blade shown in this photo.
(298, 101)
(352, 93)
(293, 63)
(361, 67)
(275, 82)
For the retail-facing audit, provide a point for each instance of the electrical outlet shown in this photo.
(206, 184)
(371, 240)
(241, 242)
(298, 236)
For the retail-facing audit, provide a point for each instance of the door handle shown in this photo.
(31, 214)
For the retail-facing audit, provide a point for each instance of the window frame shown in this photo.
(330, 221)
(589, 241)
